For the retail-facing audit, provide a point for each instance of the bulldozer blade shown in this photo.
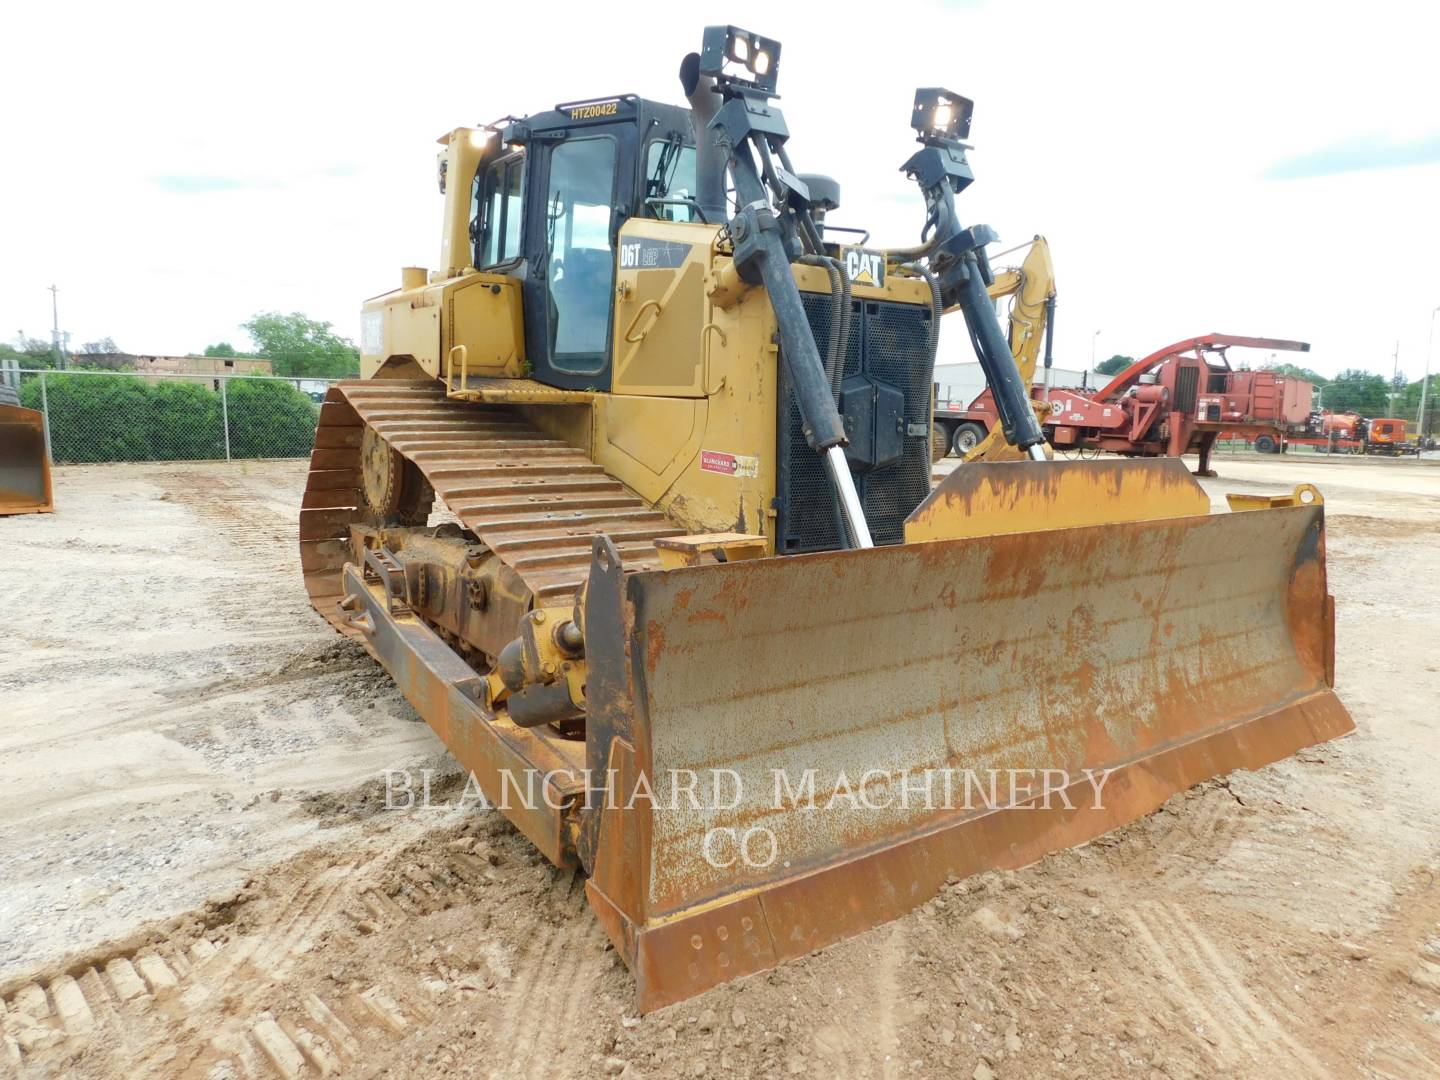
(24, 464)
(800, 749)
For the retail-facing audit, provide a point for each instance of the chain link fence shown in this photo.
(96, 416)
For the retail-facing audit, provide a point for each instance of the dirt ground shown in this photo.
(198, 877)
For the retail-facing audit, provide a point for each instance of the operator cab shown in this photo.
(548, 200)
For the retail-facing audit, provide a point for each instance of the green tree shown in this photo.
(1114, 365)
(1407, 402)
(103, 346)
(298, 346)
(1296, 371)
(1357, 391)
(221, 349)
(30, 352)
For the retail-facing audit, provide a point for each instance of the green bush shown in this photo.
(95, 418)
(182, 419)
(124, 418)
(270, 419)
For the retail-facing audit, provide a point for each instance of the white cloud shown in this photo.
(176, 168)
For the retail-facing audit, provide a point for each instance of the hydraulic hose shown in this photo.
(937, 309)
(835, 351)
(835, 345)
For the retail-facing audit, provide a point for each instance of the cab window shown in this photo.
(580, 262)
(670, 174)
(497, 209)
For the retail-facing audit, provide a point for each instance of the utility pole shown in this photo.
(1395, 379)
(1094, 338)
(57, 343)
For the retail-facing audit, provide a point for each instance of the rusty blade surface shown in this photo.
(1084, 648)
(24, 465)
(985, 498)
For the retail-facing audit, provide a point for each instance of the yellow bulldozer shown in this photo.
(689, 610)
(24, 460)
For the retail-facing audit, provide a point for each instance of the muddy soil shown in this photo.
(1283, 923)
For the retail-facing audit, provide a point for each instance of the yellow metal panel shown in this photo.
(572, 424)
(660, 308)
(991, 498)
(652, 431)
(741, 376)
(1303, 495)
(483, 314)
(402, 323)
(897, 288)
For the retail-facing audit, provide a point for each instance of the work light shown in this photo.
(727, 46)
(941, 115)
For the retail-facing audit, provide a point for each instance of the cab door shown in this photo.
(577, 207)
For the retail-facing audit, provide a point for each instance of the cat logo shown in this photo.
(865, 267)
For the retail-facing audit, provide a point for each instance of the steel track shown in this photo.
(532, 499)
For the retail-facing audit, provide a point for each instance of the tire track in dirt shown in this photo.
(567, 958)
(1247, 1012)
(1225, 1050)
(206, 1003)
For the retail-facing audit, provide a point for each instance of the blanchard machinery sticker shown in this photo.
(718, 461)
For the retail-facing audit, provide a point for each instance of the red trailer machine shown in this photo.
(1180, 399)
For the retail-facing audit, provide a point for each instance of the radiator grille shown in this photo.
(888, 343)
(1186, 381)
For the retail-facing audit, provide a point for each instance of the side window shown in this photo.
(669, 174)
(497, 229)
(580, 264)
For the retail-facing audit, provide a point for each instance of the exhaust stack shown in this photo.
(710, 159)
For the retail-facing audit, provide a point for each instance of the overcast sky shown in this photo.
(1251, 168)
